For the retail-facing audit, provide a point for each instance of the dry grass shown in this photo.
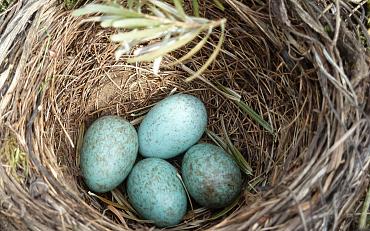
(311, 85)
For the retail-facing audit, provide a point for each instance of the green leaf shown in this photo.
(219, 5)
(180, 9)
(156, 11)
(101, 18)
(229, 91)
(151, 33)
(231, 149)
(364, 222)
(247, 109)
(255, 116)
(212, 57)
(165, 47)
(196, 8)
(108, 21)
(243, 164)
(69, 4)
(194, 50)
(165, 7)
(135, 23)
(104, 9)
(252, 184)
(130, 3)
(105, 21)
(216, 139)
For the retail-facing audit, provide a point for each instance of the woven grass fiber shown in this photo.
(302, 65)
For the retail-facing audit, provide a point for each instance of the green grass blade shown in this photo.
(130, 3)
(211, 58)
(196, 8)
(232, 150)
(194, 50)
(229, 91)
(216, 139)
(247, 109)
(180, 9)
(364, 212)
(165, 7)
(219, 5)
(105, 9)
(165, 47)
(255, 116)
(243, 164)
(130, 23)
(156, 11)
(253, 183)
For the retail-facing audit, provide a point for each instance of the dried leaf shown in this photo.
(118, 214)
(313, 23)
(108, 202)
(122, 201)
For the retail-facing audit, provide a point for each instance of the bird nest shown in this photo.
(288, 91)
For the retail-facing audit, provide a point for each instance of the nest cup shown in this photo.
(304, 70)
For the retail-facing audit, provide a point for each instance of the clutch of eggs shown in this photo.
(170, 128)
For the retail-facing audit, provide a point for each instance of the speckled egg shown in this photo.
(211, 176)
(156, 192)
(108, 153)
(172, 126)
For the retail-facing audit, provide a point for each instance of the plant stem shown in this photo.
(365, 208)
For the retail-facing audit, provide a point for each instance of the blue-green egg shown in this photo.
(156, 192)
(172, 126)
(211, 176)
(108, 153)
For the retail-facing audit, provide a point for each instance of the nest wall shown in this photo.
(305, 70)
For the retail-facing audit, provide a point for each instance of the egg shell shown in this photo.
(211, 176)
(172, 126)
(156, 192)
(108, 153)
